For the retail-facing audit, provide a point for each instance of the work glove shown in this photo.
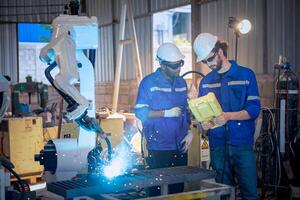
(207, 125)
(173, 112)
(187, 140)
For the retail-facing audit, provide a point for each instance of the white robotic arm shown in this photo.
(64, 158)
(71, 34)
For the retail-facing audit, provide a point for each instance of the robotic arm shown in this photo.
(71, 34)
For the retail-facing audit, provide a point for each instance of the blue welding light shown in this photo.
(115, 168)
(122, 160)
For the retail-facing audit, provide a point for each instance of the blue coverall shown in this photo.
(163, 134)
(231, 146)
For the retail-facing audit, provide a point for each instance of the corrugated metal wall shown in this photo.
(140, 7)
(214, 19)
(283, 32)
(273, 31)
(102, 9)
(109, 25)
(8, 51)
(159, 5)
(28, 11)
(258, 50)
(143, 30)
(37, 11)
(104, 67)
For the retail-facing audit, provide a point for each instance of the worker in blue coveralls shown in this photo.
(161, 106)
(235, 86)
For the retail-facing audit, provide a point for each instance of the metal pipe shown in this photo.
(282, 126)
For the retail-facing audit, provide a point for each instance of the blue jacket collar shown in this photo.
(231, 73)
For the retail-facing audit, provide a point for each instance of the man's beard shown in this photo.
(171, 74)
(217, 66)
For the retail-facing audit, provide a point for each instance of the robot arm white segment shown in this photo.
(70, 35)
(64, 49)
(83, 30)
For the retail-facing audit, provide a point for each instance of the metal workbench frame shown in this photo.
(208, 188)
(143, 179)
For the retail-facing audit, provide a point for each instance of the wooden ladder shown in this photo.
(126, 8)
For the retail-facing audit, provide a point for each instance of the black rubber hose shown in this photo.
(9, 166)
(190, 72)
(71, 102)
(108, 148)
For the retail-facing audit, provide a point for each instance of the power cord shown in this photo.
(268, 153)
(226, 151)
(9, 166)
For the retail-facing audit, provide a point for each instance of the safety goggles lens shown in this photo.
(174, 65)
(209, 59)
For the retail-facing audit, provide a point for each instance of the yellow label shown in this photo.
(204, 145)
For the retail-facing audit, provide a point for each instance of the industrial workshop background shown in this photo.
(274, 33)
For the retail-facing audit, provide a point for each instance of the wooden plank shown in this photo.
(30, 178)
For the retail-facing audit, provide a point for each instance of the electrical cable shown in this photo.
(108, 144)
(226, 151)
(142, 143)
(266, 147)
(195, 72)
(9, 166)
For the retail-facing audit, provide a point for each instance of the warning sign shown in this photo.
(204, 150)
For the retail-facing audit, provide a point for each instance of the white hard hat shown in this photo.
(203, 44)
(169, 52)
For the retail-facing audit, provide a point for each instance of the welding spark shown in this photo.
(122, 160)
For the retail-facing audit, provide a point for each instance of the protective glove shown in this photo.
(187, 140)
(173, 112)
(207, 124)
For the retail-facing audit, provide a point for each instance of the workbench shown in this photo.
(87, 185)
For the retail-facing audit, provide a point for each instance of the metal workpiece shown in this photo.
(87, 185)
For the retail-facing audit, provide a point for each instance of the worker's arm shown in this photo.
(146, 113)
(226, 116)
(240, 115)
(252, 106)
(172, 112)
(253, 100)
(143, 109)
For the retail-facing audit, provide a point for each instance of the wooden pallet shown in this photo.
(30, 178)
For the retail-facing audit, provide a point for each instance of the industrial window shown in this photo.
(32, 38)
(174, 25)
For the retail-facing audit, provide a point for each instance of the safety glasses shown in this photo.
(173, 65)
(210, 58)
